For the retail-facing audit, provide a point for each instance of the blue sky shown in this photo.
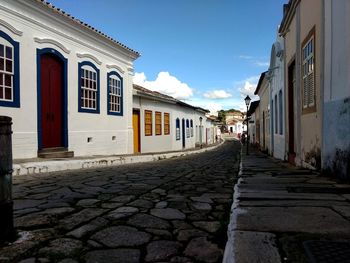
(209, 53)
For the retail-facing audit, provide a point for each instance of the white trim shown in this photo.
(111, 66)
(11, 28)
(85, 55)
(53, 42)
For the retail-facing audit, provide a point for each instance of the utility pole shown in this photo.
(7, 231)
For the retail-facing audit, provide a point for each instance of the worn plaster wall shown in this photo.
(336, 112)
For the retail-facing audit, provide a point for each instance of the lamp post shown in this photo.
(247, 102)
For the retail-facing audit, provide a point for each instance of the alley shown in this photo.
(173, 210)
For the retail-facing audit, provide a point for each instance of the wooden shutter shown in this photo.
(158, 123)
(166, 124)
(148, 123)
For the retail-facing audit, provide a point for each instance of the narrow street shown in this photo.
(174, 210)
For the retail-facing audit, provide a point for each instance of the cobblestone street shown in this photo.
(173, 210)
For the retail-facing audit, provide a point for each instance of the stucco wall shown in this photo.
(159, 143)
(36, 23)
(310, 17)
(264, 114)
(336, 112)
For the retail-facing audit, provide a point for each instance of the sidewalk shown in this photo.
(283, 213)
(42, 165)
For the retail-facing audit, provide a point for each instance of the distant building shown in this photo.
(262, 90)
(234, 123)
(162, 123)
(254, 123)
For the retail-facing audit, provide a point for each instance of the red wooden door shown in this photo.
(51, 101)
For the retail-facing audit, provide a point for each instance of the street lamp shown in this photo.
(247, 102)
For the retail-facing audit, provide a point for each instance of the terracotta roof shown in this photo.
(85, 25)
(159, 95)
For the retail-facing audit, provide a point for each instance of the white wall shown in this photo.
(276, 86)
(160, 143)
(46, 26)
(336, 108)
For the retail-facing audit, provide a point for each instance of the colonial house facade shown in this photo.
(263, 91)
(66, 86)
(336, 89)
(234, 123)
(254, 123)
(162, 123)
(277, 92)
(302, 31)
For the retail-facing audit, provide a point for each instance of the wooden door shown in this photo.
(51, 101)
(136, 128)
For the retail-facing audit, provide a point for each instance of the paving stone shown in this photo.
(202, 199)
(28, 260)
(59, 211)
(168, 213)
(203, 250)
(178, 224)
(94, 244)
(343, 210)
(123, 198)
(88, 228)
(142, 203)
(118, 236)
(209, 226)
(122, 212)
(111, 205)
(61, 248)
(178, 259)
(318, 220)
(26, 203)
(161, 250)
(201, 206)
(83, 216)
(33, 221)
(148, 221)
(186, 234)
(251, 247)
(121, 255)
(68, 260)
(159, 233)
(162, 204)
(88, 202)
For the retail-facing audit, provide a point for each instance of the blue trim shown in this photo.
(177, 125)
(80, 109)
(122, 94)
(57, 54)
(16, 91)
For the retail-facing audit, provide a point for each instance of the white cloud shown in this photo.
(261, 63)
(165, 83)
(246, 57)
(248, 86)
(217, 94)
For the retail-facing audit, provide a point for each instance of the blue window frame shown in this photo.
(177, 124)
(191, 123)
(89, 87)
(187, 128)
(9, 71)
(114, 94)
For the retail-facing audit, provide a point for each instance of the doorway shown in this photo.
(183, 133)
(291, 85)
(52, 105)
(136, 129)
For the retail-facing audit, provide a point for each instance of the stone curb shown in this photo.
(38, 167)
(247, 246)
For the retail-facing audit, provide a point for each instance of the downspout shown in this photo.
(322, 60)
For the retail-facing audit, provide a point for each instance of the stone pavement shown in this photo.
(277, 207)
(173, 210)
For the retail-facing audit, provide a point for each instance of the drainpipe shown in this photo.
(7, 231)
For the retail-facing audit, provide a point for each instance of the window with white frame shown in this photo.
(115, 94)
(308, 71)
(89, 88)
(9, 71)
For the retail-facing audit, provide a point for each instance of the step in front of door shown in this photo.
(59, 152)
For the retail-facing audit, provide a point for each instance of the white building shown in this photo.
(234, 123)
(336, 97)
(162, 123)
(277, 94)
(254, 124)
(66, 85)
